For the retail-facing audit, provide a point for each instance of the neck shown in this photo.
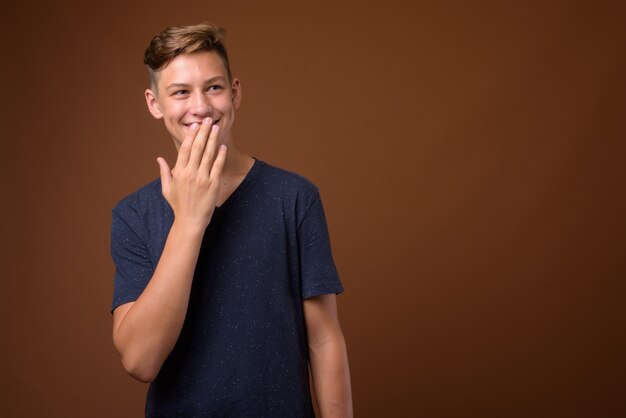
(237, 161)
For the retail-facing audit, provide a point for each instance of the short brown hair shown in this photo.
(177, 40)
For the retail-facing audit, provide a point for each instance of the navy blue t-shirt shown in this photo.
(242, 351)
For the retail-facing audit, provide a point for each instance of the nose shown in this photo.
(201, 105)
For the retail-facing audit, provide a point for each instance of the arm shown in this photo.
(145, 331)
(328, 357)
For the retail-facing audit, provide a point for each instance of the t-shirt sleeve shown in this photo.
(133, 266)
(318, 273)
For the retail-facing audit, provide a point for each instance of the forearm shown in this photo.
(149, 330)
(331, 378)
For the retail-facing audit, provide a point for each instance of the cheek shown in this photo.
(175, 111)
(223, 105)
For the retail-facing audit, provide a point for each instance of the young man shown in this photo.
(224, 283)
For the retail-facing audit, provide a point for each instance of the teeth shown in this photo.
(199, 123)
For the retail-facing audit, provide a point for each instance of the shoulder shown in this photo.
(295, 194)
(141, 201)
(285, 181)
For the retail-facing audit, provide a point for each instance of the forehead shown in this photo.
(195, 67)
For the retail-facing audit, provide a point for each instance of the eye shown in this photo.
(179, 92)
(215, 87)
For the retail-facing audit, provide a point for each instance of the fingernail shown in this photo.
(194, 126)
(214, 128)
(207, 121)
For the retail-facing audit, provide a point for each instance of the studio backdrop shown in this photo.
(470, 157)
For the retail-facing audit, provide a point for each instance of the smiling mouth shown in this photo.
(188, 125)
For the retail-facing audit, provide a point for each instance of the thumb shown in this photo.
(166, 174)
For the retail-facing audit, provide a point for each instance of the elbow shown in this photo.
(331, 340)
(137, 362)
(142, 377)
(140, 370)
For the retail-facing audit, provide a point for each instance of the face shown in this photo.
(193, 87)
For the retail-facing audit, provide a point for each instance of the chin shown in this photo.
(177, 142)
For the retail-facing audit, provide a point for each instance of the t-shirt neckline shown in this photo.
(243, 186)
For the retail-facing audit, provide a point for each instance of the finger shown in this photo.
(185, 148)
(199, 144)
(210, 152)
(166, 175)
(218, 165)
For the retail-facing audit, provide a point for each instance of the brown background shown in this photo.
(471, 159)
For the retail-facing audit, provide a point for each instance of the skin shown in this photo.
(197, 103)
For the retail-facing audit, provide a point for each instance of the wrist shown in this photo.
(188, 228)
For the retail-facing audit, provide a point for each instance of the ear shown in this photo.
(236, 93)
(153, 104)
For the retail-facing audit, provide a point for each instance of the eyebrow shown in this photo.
(209, 81)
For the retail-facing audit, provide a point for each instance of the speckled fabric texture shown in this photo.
(242, 351)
